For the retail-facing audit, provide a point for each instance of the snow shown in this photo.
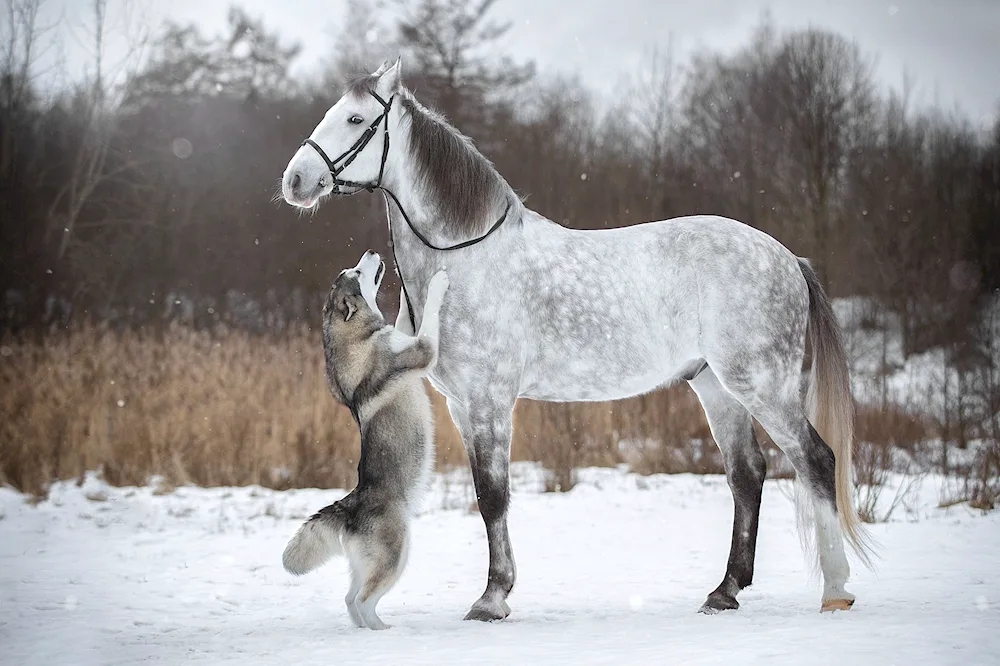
(610, 572)
(924, 383)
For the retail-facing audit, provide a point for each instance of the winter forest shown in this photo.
(159, 305)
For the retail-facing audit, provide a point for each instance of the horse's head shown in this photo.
(347, 151)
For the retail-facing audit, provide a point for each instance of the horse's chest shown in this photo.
(476, 352)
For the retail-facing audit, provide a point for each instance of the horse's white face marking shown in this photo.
(307, 178)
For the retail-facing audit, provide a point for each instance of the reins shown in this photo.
(351, 153)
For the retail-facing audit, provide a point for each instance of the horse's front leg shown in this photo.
(485, 425)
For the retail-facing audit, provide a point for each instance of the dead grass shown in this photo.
(977, 483)
(231, 408)
(887, 440)
(191, 406)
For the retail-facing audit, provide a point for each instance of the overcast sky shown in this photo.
(951, 47)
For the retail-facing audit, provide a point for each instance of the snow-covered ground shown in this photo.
(611, 572)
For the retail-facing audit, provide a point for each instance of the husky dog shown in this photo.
(375, 370)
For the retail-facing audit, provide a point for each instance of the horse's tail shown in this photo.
(831, 406)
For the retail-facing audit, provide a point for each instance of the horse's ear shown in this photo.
(389, 79)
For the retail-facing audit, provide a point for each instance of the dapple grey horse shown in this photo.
(541, 311)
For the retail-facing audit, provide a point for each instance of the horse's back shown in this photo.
(636, 305)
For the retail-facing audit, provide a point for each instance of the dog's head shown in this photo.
(352, 295)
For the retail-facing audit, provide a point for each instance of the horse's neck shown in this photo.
(412, 207)
(414, 261)
(422, 207)
(407, 201)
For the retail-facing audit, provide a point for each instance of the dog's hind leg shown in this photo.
(386, 555)
(357, 578)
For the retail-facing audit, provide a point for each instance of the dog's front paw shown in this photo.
(438, 286)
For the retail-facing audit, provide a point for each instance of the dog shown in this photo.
(376, 370)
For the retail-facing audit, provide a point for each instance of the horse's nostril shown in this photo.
(296, 181)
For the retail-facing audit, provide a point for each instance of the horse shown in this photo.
(542, 311)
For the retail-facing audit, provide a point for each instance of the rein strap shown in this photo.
(351, 153)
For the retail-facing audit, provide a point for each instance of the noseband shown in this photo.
(351, 153)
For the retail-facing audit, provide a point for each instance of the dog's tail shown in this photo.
(316, 541)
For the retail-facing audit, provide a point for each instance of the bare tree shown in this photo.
(826, 97)
(452, 43)
(249, 62)
(23, 40)
(653, 103)
(94, 107)
(733, 138)
(362, 44)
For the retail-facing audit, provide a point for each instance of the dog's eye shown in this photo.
(355, 119)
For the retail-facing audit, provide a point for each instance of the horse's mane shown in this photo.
(468, 190)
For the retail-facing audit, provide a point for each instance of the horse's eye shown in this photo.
(355, 119)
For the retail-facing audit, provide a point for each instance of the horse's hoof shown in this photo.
(484, 612)
(484, 615)
(718, 602)
(836, 604)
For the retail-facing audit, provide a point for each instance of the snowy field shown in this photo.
(609, 573)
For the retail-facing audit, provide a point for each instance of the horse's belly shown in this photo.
(607, 372)
(566, 387)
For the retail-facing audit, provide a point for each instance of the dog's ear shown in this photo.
(348, 306)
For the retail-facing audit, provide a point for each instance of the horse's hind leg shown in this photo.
(746, 468)
(774, 400)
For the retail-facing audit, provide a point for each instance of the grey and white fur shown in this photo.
(376, 371)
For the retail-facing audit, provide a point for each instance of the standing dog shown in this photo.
(376, 370)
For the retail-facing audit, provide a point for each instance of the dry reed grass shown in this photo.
(231, 408)
(190, 406)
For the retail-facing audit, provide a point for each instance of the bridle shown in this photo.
(351, 153)
(349, 156)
